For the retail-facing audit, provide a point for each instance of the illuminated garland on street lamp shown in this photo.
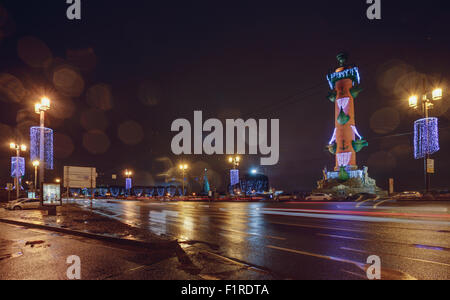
(17, 166)
(35, 136)
(426, 137)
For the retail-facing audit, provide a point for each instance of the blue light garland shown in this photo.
(17, 166)
(35, 137)
(352, 74)
(128, 184)
(426, 137)
(234, 177)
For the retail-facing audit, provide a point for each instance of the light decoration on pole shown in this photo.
(128, 184)
(234, 177)
(426, 137)
(17, 166)
(35, 140)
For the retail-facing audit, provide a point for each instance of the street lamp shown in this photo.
(35, 165)
(57, 180)
(128, 175)
(427, 104)
(183, 168)
(41, 108)
(18, 148)
(235, 160)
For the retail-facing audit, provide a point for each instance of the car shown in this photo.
(319, 197)
(408, 195)
(285, 198)
(24, 203)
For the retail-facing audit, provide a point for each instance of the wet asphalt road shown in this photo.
(306, 240)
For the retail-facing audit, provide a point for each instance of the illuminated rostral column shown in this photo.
(345, 141)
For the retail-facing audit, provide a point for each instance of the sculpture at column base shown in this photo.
(355, 182)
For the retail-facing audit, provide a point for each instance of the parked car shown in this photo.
(24, 203)
(285, 198)
(408, 195)
(319, 197)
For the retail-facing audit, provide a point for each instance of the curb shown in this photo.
(166, 245)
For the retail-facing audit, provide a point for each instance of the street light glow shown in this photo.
(36, 163)
(413, 100)
(45, 103)
(23, 148)
(43, 106)
(12, 146)
(437, 94)
(254, 171)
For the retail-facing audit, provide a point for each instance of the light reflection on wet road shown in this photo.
(305, 241)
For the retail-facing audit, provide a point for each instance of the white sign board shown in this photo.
(80, 177)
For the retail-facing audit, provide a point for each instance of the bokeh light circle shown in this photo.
(130, 133)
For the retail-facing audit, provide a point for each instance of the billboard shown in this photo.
(51, 194)
(79, 177)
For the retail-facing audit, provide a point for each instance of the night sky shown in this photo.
(121, 75)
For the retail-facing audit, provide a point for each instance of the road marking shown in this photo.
(254, 234)
(396, 255)
(361, 203)
(342, 237)
(332, 258)
(381, 202)
(359, 199)
(318, 227)
(350, 216)
(426, 247)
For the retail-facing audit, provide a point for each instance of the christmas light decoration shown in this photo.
(343, 104)
(344, 84)
(35, 136)
(115, 191)
(355, 131)
(333, 138)
(160, 191)
(344, 158)
(426, 137)
(17, 166)
(128, 184)
(352, 73)
(234, 177)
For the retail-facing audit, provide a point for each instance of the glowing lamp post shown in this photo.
(183, 168)
(41, 108)
(16, 167)
(234, 172)
(426, 133)
(35, 165)
(128, 183)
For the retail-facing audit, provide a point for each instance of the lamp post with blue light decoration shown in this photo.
(426, 133)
